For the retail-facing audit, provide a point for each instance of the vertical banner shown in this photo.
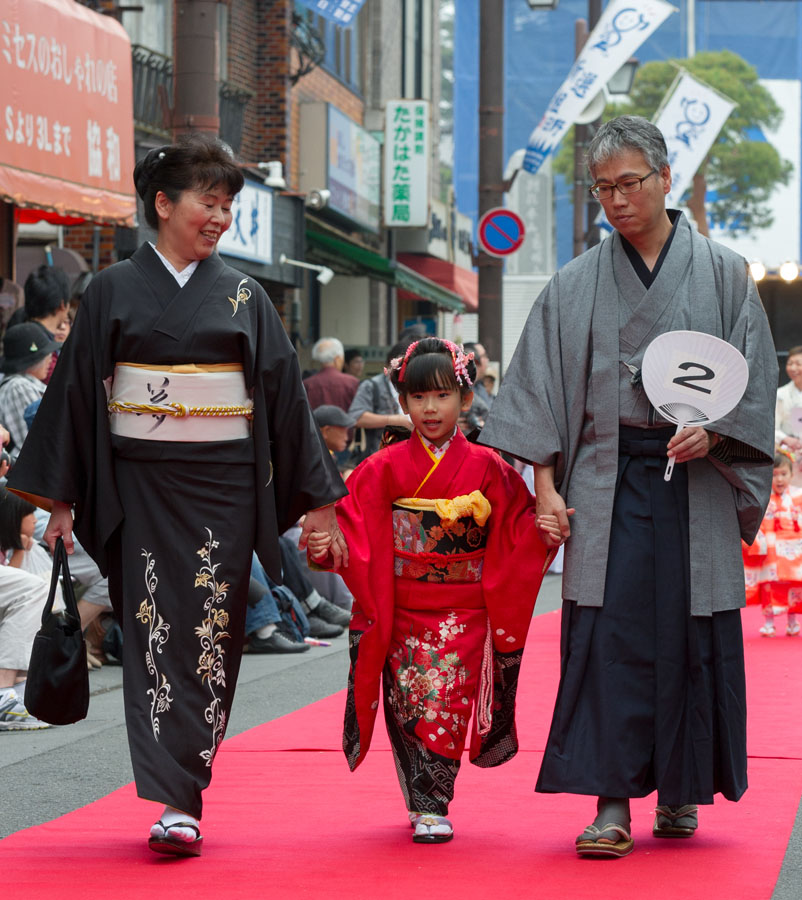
(622, 28)
(406, 163)
(690, 118)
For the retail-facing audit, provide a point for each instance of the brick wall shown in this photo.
(81, 239)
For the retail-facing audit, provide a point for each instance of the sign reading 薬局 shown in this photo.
(690, 118)
(406, 163)
(341, 12)
(622, 28)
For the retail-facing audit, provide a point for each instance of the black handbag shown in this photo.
(57, 688)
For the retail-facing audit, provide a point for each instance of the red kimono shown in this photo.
(441, 627)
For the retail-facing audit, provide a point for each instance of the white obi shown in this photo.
(169, 403)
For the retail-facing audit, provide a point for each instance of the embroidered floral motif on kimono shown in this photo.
(432, 685)
(212, 633)
(158, 634)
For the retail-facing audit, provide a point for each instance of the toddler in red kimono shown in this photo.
(773, 562)
(445, 562)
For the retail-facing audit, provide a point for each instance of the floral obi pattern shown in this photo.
(440, 540)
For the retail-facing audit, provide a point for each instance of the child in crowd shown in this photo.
(773, 563)
(445, 564)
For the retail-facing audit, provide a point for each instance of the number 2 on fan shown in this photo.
(687, 381)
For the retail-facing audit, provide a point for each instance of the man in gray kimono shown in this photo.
(652, 693)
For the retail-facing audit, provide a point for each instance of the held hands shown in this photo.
(552, 519)
(318, 544)
(323, 522)
(691, 443)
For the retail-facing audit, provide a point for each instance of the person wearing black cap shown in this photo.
(26, 364)
(333, 423)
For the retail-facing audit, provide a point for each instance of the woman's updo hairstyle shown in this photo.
(199, 161)
(432, 365)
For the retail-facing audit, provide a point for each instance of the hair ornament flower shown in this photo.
(787, 453)
(459, 357)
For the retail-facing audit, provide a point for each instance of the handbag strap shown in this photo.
(61, 566)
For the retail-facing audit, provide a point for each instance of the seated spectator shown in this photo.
(25, 364)
(376, 406)
(330, 385)
(354, 363)
(47, 298)
(22, 598)
(334, 424)
(325, 618)
(263, 619)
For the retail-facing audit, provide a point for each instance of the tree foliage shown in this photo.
(739, 170)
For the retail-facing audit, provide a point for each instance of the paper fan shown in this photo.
(693, 378)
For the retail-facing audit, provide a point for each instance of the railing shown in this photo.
(153, 90)
(153, 98)
(233, 101)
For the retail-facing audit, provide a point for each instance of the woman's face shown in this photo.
(793, 369)
(28, 525)
(190, 228)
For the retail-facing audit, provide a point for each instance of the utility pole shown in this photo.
(491, 164)
(196, 105)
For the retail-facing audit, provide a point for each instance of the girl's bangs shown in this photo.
(429, 372)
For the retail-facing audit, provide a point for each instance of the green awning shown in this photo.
(354, 259)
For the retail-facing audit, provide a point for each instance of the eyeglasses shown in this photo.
(629, 185)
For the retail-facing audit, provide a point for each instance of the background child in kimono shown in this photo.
(445, 564)
(773, 562)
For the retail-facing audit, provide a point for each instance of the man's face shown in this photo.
(480, 360)
(639, 214)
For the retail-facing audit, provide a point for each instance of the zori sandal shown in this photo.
(432, 830)
(612, 840)
(676, 821)
(176, 846)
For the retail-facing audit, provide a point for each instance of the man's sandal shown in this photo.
(175, 846)
(676, 821)
(611, 840)
(432, 829)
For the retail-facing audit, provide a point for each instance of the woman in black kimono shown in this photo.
(177, 428)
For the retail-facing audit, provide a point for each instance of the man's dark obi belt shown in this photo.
(440, 540)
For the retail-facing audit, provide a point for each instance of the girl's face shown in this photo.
(28, 525)
(793, 369)
(435, 413)
(782, 478)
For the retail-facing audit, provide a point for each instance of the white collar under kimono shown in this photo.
(184, 275)
(437, 452)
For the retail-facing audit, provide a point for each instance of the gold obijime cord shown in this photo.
(179, 411)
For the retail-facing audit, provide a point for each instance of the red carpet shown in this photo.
(284, 818)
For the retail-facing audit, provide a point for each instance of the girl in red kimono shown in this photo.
(445, 564)
(773, 562)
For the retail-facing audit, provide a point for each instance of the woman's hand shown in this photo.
(691, 443)
(60, 525)
(325, 520)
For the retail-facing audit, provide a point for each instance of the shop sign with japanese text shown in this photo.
(407, 138)
(66, 110)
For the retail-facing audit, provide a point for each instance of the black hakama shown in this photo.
(651, 698)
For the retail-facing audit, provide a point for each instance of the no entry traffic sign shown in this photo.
(500, 231)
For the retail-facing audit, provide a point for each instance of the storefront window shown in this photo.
(152, 27)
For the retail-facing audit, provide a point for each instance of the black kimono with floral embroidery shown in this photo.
(174, 524)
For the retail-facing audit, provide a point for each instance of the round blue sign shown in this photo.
(500, 231)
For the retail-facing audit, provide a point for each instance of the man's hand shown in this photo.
(60, 525)
(325, 520)
(691, 443)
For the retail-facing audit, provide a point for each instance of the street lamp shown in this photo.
(621, 83)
